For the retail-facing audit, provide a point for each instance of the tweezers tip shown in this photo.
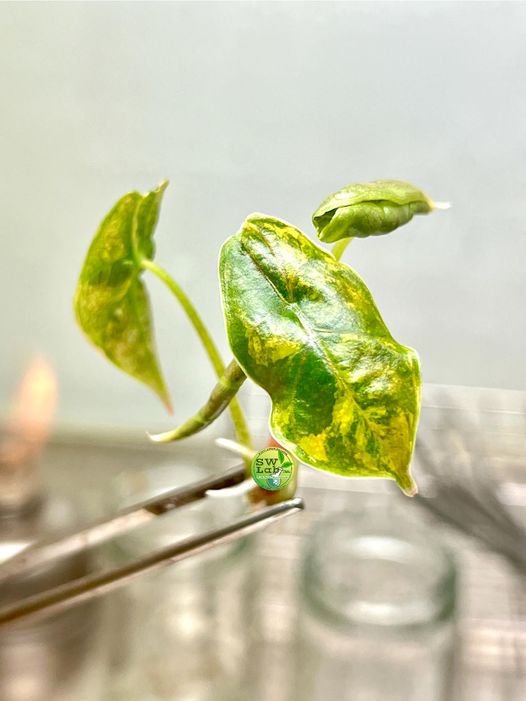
(296, 503)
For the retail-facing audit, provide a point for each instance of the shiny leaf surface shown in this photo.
(111, 303)
(369, 209)
(345, 395)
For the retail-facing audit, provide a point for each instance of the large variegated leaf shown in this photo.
(111, 303)
(345, 395)
(369, 209)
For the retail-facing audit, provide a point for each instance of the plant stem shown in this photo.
(238, 418)
(340, 246)
(221, 396)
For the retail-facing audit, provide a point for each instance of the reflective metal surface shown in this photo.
(91, 586)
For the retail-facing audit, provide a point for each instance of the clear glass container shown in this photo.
(185, 638)
(377, 608)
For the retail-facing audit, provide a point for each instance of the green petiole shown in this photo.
(339, 247)
(221, 396)
(238, 418)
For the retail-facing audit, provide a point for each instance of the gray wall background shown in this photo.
(267, 107)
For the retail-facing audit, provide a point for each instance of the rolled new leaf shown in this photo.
(345, 395)
(111, 303)
(369, 209)
(221, 396)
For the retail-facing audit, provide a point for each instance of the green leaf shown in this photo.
(345, 395)
(111, 303)
(221, 396)
(369, 209)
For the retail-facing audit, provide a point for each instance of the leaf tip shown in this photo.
(165, 437)
(162, 185)
(407, 485)
(440, 205)
(168, 404)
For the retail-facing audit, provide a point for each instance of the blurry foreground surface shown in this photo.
(227, 626)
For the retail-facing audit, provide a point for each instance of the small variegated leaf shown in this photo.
(111, 303)
(222, 395)
(369, 209)
(345, 395)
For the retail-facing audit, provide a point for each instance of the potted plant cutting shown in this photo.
(301, 324)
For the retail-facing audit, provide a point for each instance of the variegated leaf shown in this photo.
(345, 395)
(111, 303)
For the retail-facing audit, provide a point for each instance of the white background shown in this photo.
(267, 107)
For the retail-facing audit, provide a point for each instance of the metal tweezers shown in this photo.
(90, 586)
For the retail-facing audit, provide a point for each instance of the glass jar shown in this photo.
(377, 610)
(185, 637)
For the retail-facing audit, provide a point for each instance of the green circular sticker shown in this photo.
(272, 468)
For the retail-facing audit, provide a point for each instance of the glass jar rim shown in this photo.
(370, 541)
